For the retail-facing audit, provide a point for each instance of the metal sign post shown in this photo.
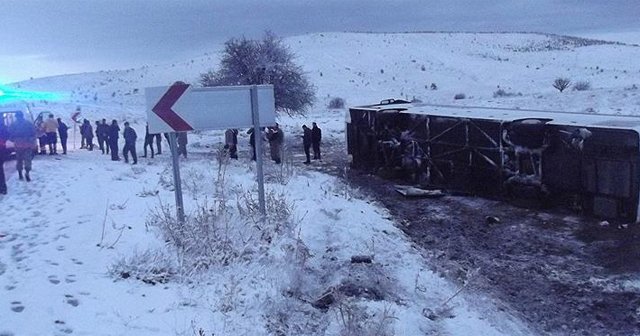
(257, 136)
(177, 182)
(180, 108)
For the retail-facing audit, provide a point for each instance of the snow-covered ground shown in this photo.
(65, 237)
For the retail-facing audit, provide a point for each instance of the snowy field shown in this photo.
(82, 253)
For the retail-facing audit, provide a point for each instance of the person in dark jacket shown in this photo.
(275, 135)
(158, 143)
(23, 135)
(130, 138)
(306, 142)
(104, 131)
(252, 143)
(231, 142)
(63, 132)
(100, 136)
(182, 143)
(316, 138)
(4, 136)
(113, 134)
(148, 141)
(83, 139)
(88, 134)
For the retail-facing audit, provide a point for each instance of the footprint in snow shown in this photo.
(76, 261)
(53, 279)
(65, 331)
(52, 263)
(17, 253)
(63, 328)
(71, 300)
(71, 278)
(17, 306)
(7, 238)
(60, 248)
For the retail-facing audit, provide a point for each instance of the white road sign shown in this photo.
(180, 107)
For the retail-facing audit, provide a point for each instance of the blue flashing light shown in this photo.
(8, 94)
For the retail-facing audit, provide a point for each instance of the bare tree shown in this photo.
(561, 83)
(266, 61)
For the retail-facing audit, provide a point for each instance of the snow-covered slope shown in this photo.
(365, 68)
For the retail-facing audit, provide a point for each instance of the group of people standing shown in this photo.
(47, 132)
(311, 138)
(150, 138)
(23, 134)
(275, 136)
(108, 136)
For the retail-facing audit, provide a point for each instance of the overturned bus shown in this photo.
(586, 161)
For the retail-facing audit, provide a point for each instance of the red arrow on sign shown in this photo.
(164, 108)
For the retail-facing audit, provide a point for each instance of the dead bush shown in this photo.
(150, 267)
(502, 93)
(206, 237)
(582, 86)
(211, 235)
(356, 320)
(561, 83)
(336, 103)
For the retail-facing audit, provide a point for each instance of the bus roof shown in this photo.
(512, 114)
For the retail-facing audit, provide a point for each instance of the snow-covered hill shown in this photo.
(366, 68)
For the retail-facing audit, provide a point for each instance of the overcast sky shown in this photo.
(48, 37)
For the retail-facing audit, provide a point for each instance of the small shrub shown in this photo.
(459, 96)
(582, 86)
(499, 93)
(336, 103)
(150, 267)
(356, 320)
(561, 83)
(503, 93)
